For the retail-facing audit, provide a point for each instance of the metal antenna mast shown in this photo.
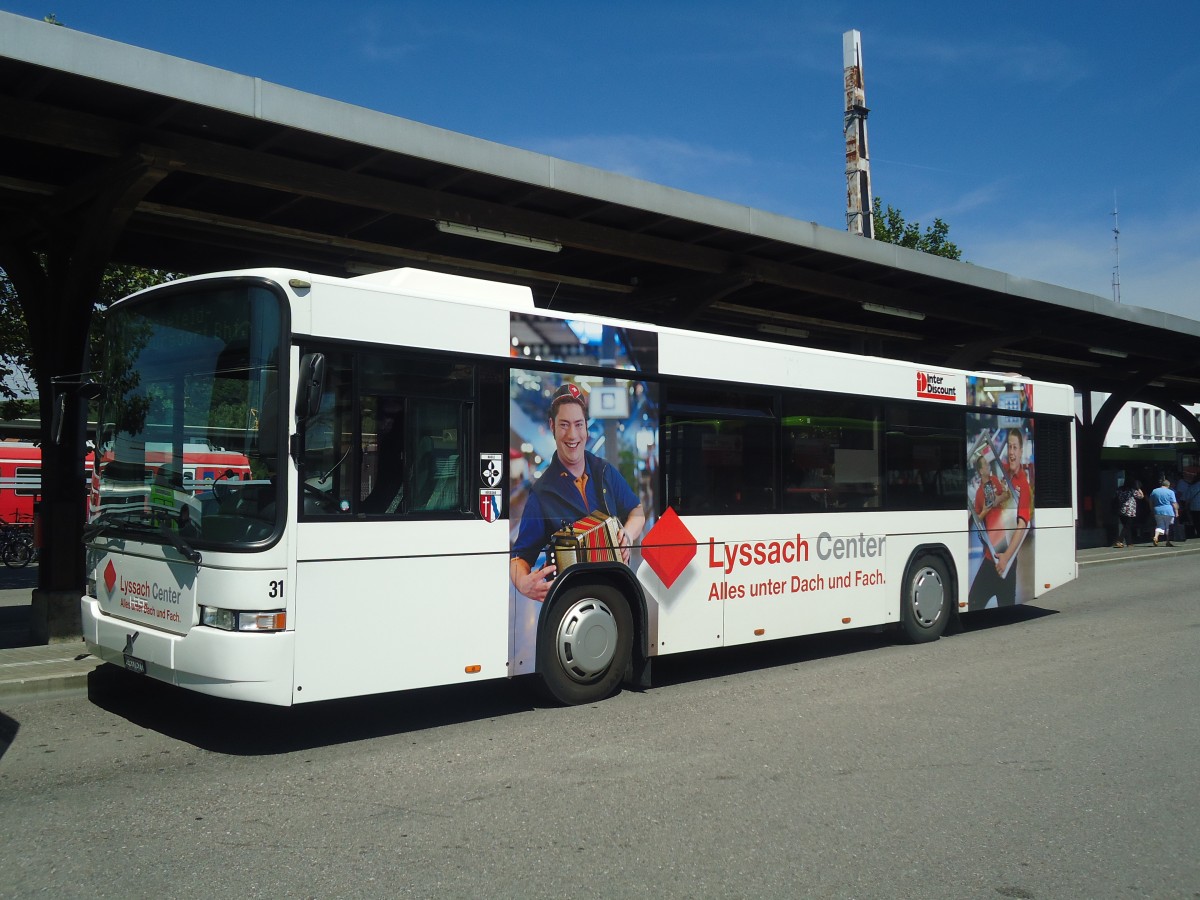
(1116, 279)
(854, 127)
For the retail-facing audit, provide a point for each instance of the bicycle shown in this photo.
(16, 539)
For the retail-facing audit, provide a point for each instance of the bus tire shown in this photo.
(585, 644)
(927, 601)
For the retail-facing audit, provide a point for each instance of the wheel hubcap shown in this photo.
(587, 640)
(928, 596)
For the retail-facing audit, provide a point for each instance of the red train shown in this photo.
(21, 472)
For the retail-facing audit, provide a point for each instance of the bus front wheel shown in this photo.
(585, 644)
(927, 601)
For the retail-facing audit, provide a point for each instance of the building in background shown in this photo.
(1142, 425)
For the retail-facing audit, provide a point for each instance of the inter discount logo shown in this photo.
(931, 386)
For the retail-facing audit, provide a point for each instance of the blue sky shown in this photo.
(1016, 123)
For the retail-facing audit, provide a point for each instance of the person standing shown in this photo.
(1127, 510)
(1182, 485)
(1166, 508)
(1192, 501)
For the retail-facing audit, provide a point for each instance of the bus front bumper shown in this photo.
(236, 666)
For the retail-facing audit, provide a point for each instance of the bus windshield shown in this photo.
(190, 437)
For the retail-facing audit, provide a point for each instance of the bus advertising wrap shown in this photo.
(1000, 495)
(583, 463)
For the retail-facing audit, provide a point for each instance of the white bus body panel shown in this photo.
(419, 602)
(354, 313)
(848, 575)
(746, 362)
(444, 286)
(1054, 400)
(1054, 549)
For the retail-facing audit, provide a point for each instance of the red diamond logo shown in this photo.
(110, 576)
(668, 547)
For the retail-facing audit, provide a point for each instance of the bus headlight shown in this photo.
(241, 620)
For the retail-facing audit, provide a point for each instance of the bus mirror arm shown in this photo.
(84, 388)
(311, 385)
(60, 418)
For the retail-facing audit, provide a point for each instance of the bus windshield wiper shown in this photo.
(137, 520)
(177, 541)
(115, 519)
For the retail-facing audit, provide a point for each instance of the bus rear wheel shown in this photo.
(585, 644)
(927, 601)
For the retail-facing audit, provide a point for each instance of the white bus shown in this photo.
(448, 484)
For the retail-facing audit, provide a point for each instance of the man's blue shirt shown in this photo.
(555, 499)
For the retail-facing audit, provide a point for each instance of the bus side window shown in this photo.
(925, 462)
(834, 458)
(436, 481)
(329, 439)
(721, 465)
(383, 456)
(390, 438)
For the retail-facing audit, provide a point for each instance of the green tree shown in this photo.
(890, 227)
(16, 360)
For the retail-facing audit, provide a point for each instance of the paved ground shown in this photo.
(1046, 752)
(16, 589)
(27, 670)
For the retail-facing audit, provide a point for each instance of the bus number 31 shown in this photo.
(276, 589)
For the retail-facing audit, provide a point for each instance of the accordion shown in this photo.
(594, 538)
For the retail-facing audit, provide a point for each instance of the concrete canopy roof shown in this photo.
(249, 173)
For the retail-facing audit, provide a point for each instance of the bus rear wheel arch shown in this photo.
(927, 599)
(585, 643)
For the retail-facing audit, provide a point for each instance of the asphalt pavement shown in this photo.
(28, 670)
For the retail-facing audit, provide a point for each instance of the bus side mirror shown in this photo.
(60, 417)
(312, 385)
(85, 390)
